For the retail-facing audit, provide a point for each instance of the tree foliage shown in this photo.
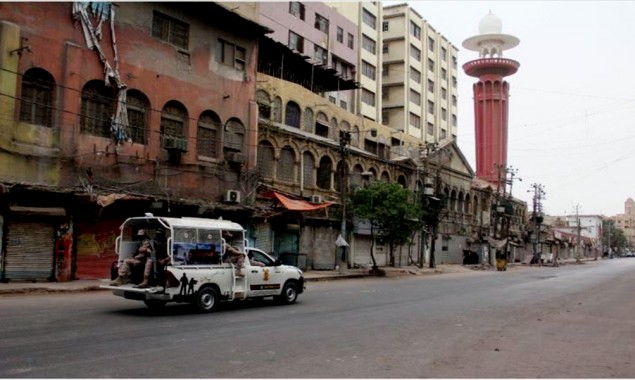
(613, 236)
(391, 210)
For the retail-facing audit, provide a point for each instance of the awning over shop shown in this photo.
(298, 204)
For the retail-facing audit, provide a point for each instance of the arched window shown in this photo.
(137, 106)
(98, 105)
(207, 141)
(356, 175)
(385, 177)
(265, 159)
(322, 126)
(355, 136)
(292, 115)
(308, 120)
(308, 169)
(475, 206)
(38, 89)
(453, 200)
(264, 104)
(286, 165)
(334, 131)
(402, 181)
(324, 173)
(173, 124)
(234, 135)
(345, 126)
(468, 204)
(276, 109)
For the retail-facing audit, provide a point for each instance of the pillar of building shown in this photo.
(491, 95)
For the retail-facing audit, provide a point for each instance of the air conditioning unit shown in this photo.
(174, 143)
(235, 157)
(317, 199)
(232, 196)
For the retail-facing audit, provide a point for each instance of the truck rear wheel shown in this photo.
(289, 294)
(206, 299)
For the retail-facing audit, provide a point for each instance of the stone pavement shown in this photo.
(310, 276)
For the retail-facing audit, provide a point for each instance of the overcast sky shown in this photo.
(572, 102)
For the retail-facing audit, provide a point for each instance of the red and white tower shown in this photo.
(491, 95)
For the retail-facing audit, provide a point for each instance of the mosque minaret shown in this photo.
(491, 95)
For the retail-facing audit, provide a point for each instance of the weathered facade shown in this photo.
(112, 110)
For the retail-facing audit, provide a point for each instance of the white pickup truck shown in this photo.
(191, 263)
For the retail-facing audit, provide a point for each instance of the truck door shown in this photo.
(264, 280)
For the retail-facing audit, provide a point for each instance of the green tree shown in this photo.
(613, 236)
(391, 212)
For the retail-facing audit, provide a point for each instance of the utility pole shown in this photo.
(578, 229)
(345, 139)
(537, 219)
(428, 193)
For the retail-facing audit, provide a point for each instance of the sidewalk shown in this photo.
(310, 276)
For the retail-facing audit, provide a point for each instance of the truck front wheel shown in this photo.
(289, 294)
(206, 299)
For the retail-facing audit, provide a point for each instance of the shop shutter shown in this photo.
(96, 248)
(29, 251)
(263, 238)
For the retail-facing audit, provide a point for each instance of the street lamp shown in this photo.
(345, 140)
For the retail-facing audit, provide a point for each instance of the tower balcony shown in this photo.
(491, 66)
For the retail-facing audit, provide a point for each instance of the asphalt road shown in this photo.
(572, 321)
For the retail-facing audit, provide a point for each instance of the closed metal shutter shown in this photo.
(263, 237)
(361, 247)
(96, 248)
(30, 246)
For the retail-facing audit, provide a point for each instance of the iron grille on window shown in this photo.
(97, 109)
(137, 107)
(171, 30)
(172, 122)
(37, 97)
(265, 160)
(207, 137)
(286, 165)
(292, 115)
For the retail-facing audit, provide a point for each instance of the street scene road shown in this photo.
(572, 321)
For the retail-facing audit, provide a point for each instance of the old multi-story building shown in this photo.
(419, 77)
(110, 110)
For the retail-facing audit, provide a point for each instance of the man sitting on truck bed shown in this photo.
(142, 256)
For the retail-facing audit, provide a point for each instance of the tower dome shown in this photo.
(490, 24)
(490, 42)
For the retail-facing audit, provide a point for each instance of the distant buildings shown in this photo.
(626, 221)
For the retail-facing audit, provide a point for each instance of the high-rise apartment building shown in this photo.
(367, 17)
(419, 77)
(324, 37)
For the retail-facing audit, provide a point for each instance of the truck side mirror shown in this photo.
(277, 262)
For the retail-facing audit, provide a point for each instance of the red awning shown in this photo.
(300, 205)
